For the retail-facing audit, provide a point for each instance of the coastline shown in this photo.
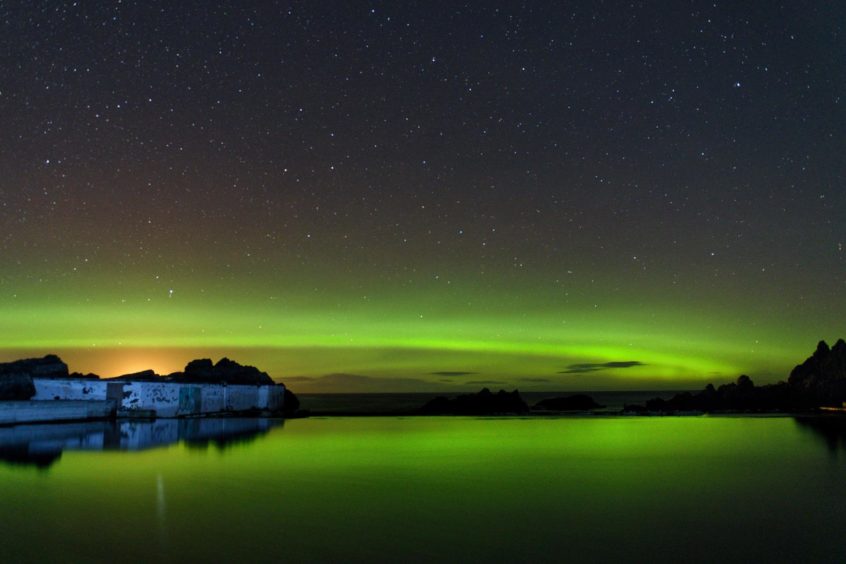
(409, 405)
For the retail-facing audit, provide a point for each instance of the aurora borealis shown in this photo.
(424, 196)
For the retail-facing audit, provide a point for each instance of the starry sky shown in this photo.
(416, 196)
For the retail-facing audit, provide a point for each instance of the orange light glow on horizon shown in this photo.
(108, 363)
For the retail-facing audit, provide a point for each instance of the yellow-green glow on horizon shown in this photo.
(400, 349)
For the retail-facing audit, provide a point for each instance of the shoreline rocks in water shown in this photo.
(482, 403)
(576, 402)
(820, 381)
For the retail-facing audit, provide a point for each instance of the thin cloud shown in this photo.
(597, 366)
(451, 373)
(299, 379)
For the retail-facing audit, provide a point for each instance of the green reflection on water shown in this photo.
(458, 489)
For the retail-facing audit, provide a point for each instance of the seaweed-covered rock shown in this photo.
(483, 403)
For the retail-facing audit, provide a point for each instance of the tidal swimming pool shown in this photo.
(368, 489)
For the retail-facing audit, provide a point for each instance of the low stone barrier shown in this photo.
(163, 399)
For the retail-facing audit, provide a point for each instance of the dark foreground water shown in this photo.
(382, 489)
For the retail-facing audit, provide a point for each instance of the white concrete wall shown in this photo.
(213, 399)
(242, 398)
(13, 412)
(68, 389)
(164, 399)
(271, 397)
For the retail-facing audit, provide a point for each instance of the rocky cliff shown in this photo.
(821, 379)
(16, 377)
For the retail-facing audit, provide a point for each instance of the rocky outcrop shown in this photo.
(81, 376)
(16, 386)
(739, 396)
(143, 376)
(225, 371)
(483, 403)
(16, 377)
(291, 405)
(50, 366)
(821, 379)
(577, 402)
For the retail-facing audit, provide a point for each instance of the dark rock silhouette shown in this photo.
(80, 376)
(291, 405)
(49, 366)
(577, 402)
(225, 371)
(482, 403)
(819, 381)
(16, 386)
(143, 376)
(740, 396)
(16, 377)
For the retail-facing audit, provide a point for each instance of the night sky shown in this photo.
(417, 196)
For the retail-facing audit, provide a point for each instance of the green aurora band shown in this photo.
(429, 338)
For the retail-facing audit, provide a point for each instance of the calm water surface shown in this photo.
(437, 489)
(355, 404)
